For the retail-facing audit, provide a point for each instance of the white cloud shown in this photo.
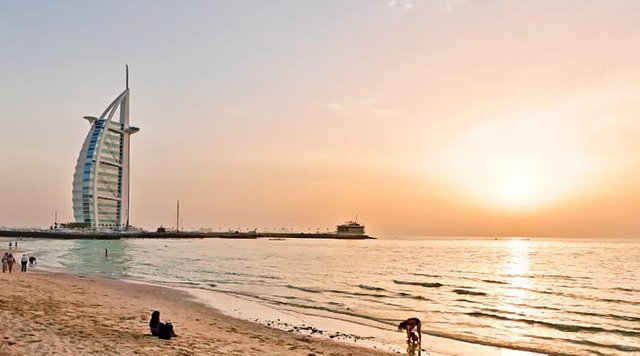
(333, 106)
(368, 106)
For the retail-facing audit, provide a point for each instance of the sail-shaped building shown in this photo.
(101, 179)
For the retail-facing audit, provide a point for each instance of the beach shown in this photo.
(304, 297)
(55, 313)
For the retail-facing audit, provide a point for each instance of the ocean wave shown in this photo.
(467, 301)
(308, 290)
(408, 295)
(327, 309)
(624, 348)
(557, 326)
(371, 288)
(626, 289)
(609, 316)
(494, 282)
(427, 275)
(576, 312)
(617, 347)
(547, 276)
(576, 296)
(421, 284)
(468, 292)
(356, 294)
(240, 274)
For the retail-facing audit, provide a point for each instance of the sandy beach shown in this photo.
(52, 313)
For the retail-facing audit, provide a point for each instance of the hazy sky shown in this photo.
(441, 117)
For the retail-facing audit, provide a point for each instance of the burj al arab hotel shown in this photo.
(101, 179)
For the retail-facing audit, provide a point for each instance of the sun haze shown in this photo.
(424, 118)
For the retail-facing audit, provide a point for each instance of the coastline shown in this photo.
(51, 312)
(65, 313)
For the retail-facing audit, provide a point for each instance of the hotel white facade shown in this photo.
(101, 179)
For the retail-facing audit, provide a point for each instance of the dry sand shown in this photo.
(53, 313)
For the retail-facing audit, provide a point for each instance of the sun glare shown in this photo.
(518, 190)
(515, 164)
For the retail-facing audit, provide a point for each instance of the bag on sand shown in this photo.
(166, 331)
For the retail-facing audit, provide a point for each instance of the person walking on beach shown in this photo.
(23, 262)
(5, 262)
(11, 261)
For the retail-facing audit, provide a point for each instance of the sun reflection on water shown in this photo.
(516, 270)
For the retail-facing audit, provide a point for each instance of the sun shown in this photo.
(517, 190)
(515, 164)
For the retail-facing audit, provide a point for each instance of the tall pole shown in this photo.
(128, 152)
(178, 216)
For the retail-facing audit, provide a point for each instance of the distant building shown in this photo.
(101, 179)
(350, 228)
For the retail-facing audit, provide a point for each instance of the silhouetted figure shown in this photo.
(409, 325)
(154, 323)
(160, 329)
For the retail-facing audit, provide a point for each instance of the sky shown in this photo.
(420, 118)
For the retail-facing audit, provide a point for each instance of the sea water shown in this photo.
(574, 297)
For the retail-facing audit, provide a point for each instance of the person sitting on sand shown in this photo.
(160, 329)
(154, 323)
(409, 325)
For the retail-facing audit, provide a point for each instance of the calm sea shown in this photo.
(537, 295)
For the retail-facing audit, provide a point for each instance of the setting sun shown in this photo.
(518, 190)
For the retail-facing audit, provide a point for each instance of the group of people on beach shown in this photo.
(8, 261)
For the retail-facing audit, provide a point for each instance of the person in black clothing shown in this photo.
(154, 323)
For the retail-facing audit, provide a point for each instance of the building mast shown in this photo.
(126, 226)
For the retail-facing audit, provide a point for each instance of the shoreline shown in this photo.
(195, 314)
(350, 332)
(52, 312)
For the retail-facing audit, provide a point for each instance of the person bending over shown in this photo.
(409, 325)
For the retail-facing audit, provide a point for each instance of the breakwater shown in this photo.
(116, 235)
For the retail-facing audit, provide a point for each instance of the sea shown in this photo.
(539, 295)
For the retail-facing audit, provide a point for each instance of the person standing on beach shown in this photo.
(5, 262)
(10, 244)
(24, 261)
(106, 253)
(11, 261)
